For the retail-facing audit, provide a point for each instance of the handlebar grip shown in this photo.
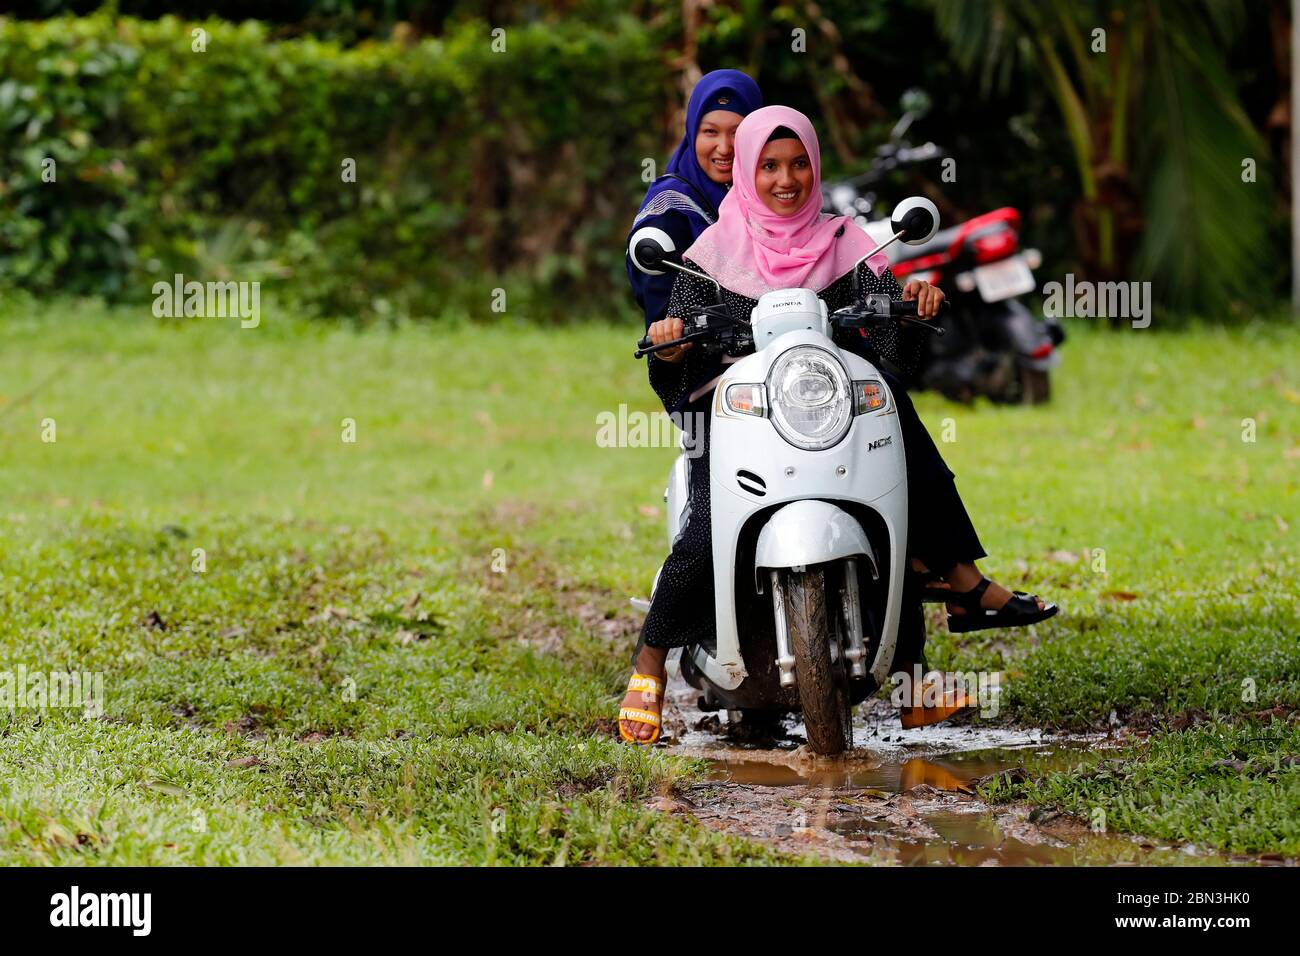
(901, 308)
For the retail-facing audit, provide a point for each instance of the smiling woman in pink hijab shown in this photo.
(771, 234)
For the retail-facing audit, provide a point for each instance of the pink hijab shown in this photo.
(752, 250)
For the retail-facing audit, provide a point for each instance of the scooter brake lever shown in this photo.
(928, 326)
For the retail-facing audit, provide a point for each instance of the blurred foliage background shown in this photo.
(521, 169)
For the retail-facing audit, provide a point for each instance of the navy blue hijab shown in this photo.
(720, 90)
(729, 90)
(686, 209)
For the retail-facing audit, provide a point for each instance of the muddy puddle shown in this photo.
(902, 796)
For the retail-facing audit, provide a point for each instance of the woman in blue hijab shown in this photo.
(684, 201)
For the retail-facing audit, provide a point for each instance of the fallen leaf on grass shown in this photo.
(243, 762)
(244, 725)
(1010, 777)
(330, 612)
(669, 805)
(162, 786)
(875, 794)
(1189, 718)
(1043, 815)
(1281, 712)
(1119, 596)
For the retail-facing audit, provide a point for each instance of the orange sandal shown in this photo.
(651, 688)
(948, 704)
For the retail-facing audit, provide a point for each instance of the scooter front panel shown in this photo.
(752, 467)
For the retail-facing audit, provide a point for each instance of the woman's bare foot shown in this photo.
(649, 661)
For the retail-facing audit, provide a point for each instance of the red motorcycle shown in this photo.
(994, 345)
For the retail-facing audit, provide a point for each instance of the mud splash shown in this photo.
(904, 796)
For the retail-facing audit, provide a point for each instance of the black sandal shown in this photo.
(1022, 609)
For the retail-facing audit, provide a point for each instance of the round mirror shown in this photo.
(915, 100)
(917, 219)
(648, 248)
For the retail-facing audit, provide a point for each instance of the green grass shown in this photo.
(404, 702)
(1232, 786)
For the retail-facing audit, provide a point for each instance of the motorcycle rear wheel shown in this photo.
(1035, 386)
(823, 682)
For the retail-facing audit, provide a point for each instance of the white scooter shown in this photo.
(809, 503)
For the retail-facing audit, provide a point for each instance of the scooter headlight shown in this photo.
(809, 396)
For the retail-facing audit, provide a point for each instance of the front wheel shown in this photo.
(819, 670)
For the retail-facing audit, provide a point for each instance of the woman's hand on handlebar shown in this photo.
(928, 298)
(665, 330)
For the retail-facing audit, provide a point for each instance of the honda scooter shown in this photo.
(808, 493)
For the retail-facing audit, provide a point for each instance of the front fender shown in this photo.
(810, 532)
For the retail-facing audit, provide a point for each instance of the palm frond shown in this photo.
(1206, 240)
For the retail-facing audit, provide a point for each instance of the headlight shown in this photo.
(809, 397)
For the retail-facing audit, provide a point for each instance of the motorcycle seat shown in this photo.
(940, 243)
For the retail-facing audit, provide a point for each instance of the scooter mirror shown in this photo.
(649, 248)
(915, 100)
(917, 219)
(653, 252)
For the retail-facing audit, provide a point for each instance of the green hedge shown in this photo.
(475, 169)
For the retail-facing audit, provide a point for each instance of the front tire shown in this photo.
(823, 682)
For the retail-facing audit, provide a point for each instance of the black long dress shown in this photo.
(940, 532)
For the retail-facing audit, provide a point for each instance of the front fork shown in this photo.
(850, 612)
(784, 654)
(857, 650)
